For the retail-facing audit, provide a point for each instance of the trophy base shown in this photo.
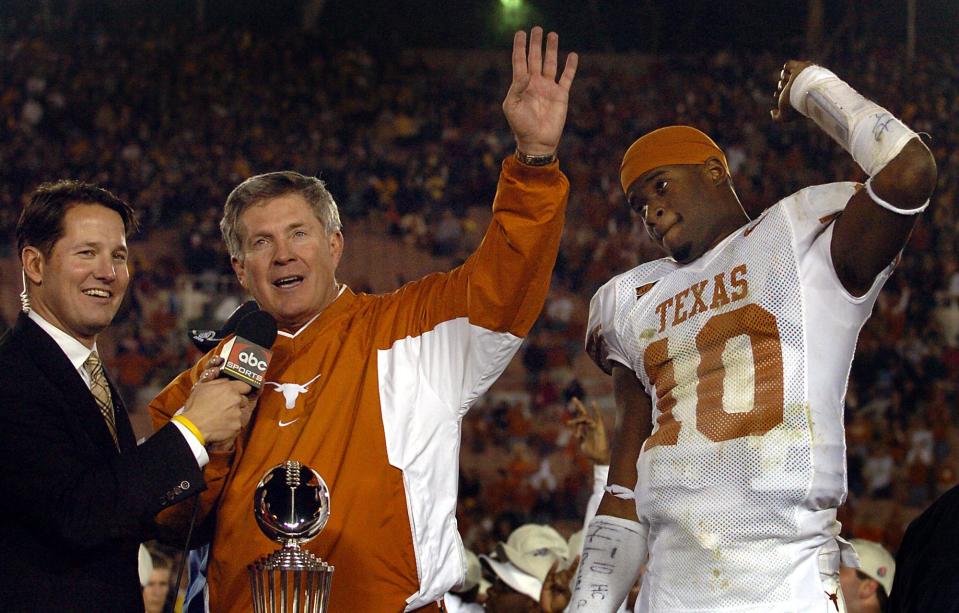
(290, 580)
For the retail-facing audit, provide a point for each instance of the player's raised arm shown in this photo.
(877, 221)
(536, 103)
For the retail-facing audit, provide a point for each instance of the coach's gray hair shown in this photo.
(259, 188)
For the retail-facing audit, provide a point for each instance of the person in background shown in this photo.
(157, 589)
(866, 589)
(527, 570)
(927, 576)
(465, 597)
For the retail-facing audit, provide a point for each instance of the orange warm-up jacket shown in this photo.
(370, 394)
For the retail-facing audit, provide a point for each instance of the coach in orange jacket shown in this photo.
(369, 390)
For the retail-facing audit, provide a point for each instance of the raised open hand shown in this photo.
(535, 105)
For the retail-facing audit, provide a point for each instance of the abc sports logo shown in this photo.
(250, 355)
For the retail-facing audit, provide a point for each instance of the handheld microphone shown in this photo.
(205, 340)
(247, 355)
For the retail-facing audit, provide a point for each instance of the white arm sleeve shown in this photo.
(613, 551)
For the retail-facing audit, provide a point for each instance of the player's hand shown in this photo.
(556, 592)
(590, 430)
(535, 105)
(784, 110)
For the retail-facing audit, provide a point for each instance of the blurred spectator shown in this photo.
(866, 589)
(157, 589)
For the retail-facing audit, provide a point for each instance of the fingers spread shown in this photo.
(535, 61)
(520, 69)
(552, 52)
(566, 80)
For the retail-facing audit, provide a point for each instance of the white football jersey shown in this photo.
(745, 354)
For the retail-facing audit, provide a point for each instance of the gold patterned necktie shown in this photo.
(101, 391)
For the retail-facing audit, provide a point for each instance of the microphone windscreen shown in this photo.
(258, 327)
(250, 306)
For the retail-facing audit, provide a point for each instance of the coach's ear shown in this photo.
(240, 270)
(715, 170)
(335, 245)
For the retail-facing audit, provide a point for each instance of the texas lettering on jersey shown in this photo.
(703, 296)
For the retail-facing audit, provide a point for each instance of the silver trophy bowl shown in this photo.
(291, 505)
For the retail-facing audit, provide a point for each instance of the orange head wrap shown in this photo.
(666, 146)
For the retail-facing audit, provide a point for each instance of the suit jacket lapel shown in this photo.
(38, 346)
(125, 434)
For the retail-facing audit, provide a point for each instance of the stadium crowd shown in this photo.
(170, 118)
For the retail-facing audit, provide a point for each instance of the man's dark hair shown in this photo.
(41, 220)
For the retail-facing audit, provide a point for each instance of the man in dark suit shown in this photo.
(927, 576)
(78, 493)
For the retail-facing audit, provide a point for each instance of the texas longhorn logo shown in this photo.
(291, 391)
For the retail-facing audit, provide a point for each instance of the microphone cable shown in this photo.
(184, 557)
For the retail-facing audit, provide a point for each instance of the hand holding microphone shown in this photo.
(216, 408)
(220, 404)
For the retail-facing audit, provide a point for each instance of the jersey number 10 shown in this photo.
(712, 420)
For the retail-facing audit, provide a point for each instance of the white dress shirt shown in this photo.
(78, 353)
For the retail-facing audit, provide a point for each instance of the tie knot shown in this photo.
(92, 363)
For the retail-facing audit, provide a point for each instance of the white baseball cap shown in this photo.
(875, 562)
(533, 548)
(515, 578)
(524, 560)
(144, 565)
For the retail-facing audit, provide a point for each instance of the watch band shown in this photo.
(535, 160)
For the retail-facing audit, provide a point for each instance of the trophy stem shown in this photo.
(254, 576)
(271, 590)
(290, 580)
(327, 581)
(296, 590)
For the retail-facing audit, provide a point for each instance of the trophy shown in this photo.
(291, 506)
